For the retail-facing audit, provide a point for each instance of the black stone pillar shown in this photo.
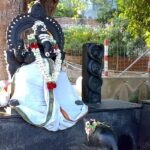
(91, 72)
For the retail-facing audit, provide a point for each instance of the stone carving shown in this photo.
(42, 93)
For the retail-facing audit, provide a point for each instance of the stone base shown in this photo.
(16, 134)
(145, 126)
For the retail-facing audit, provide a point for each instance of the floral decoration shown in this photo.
(50, 78)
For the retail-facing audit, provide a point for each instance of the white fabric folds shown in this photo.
(36, 105)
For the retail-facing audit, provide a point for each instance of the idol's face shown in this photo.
(41, 30)
(43, 39)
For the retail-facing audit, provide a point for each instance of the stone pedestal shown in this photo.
(145, 126)
(124, 117)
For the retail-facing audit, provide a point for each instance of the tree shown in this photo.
(136, 12)
(106, 9)
(8, 10)
(73, 8)
(49, 5)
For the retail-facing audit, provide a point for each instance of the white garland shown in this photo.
(44, 71)
(39, 60)
(38, 23)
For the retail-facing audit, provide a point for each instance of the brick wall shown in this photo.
(118, 64)
(8, 10)
(121, 63)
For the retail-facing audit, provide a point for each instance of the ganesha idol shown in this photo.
(41, 92)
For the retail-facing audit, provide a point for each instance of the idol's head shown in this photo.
(44, 38)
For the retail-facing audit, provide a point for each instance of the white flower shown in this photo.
(39, 59)
(42, 67)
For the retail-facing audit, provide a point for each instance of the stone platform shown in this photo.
(124, 117)
(145, 126)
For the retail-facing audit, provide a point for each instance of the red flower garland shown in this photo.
(55, 46)
(51, 85)
(34, 45)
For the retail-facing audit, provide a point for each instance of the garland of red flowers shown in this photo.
(50, 79)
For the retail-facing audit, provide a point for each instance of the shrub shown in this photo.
(121, 42)
(76, 36)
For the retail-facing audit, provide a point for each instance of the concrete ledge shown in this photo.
(126, 88)
(111, 104)
(146, 102)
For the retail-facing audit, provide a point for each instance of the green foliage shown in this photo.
(122, 43)
(105, 10)
(137, 12)
(147, 38)
(62, 11)
(129, 26)
(105, 15)
(31, 4)
(73, 8)
(134, 97)
(76, 36)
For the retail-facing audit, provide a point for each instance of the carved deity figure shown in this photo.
(41, 91)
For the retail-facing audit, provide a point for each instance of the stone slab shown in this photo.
(144, 130)
(16, 134)
(111, 104)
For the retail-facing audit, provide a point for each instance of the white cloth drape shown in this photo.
(33, 96)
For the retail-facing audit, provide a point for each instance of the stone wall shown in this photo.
(131, 86)
(126, 88)
(145, 126)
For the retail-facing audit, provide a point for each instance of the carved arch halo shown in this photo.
(25, 21)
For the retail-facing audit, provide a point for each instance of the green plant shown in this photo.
(122, 43)
(137, 13)
(63, 11)
(134, 97)
(106, 10)
(76, 36)
(73, 8)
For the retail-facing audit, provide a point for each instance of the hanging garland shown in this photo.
(50, 78)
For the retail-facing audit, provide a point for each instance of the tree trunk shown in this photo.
(49, 5)
(8, 10)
